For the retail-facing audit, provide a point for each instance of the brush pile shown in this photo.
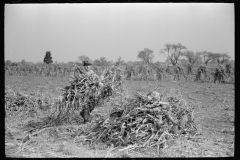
(220, 75)
(17, 102)
(143, 120)
(85, 90)
(201, 71)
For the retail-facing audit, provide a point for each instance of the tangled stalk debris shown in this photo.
(144, 120)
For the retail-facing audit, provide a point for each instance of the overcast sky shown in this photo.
(113, 30)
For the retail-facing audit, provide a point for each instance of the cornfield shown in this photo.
(143, 121)
(137, 73)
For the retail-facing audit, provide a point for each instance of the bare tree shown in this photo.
(119, 61)
(191, 56)
(103, 61)
(173, 52)
(146, 56)
(192, 59)
(223, 58)
(207, 56)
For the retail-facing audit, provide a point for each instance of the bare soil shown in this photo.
(214, 112)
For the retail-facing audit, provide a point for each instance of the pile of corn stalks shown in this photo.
(201, 71)
(144, 121)
(85, 91)
(220, 75)
(16, 102)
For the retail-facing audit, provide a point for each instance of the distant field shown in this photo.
(214, 110)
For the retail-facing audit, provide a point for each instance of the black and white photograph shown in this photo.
(119, 80)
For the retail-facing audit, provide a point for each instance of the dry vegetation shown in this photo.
(188, 120)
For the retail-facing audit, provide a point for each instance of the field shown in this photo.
(214, 113)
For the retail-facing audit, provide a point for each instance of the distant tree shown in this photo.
(173, 52)
(111, 63)
(69, 64)
(83, 58)
(168, 62)
(8, 63)
(97, 62)
(14, 64)
(158, 63)
(191, 56)
(146, 56)
(137, 63)
(29, 63)
(222, 58)
(207, 56)
(23, 62)
(129, 63)
(119, 61)
(103, 61)
(183, 61)
(48, 58)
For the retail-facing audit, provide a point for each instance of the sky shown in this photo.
(115, 30)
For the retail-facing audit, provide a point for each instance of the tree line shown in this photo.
(177, 56)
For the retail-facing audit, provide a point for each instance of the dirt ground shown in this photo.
(214, 113)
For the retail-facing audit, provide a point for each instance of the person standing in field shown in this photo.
(85, 113)
(88, 72)
(83, 68)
